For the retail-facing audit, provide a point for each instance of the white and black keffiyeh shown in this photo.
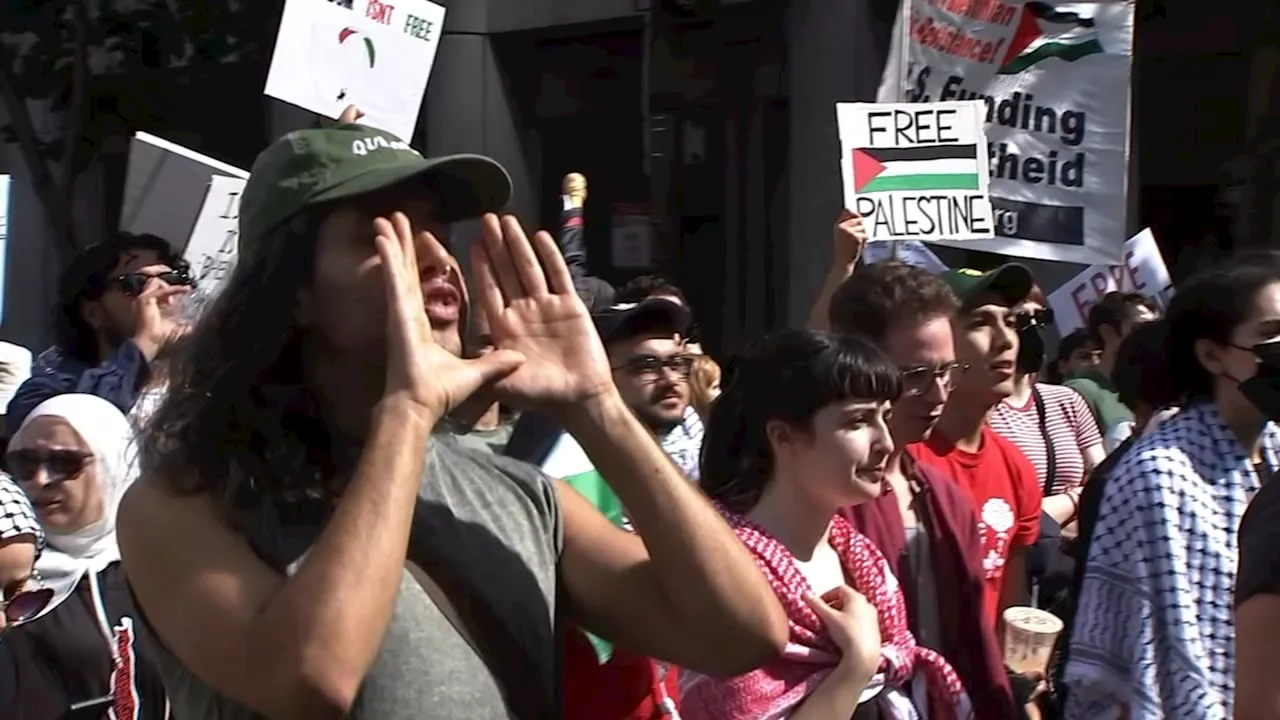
(1154, 628)
(16, 514)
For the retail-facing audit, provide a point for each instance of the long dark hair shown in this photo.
(789, 376)
(1211, 305)
(236, 422)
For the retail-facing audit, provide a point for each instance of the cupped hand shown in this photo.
(420, 373)
(155, 314)
(854, 626)
(528, 297)
(350, 114)
(850, 238)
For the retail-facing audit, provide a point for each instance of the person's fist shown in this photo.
(850, 237)
(351, 114)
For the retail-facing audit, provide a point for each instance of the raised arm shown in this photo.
(849, 238)
(683, 588)
(299, 647)
(688, 592)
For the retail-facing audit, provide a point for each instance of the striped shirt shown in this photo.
(1071, 428)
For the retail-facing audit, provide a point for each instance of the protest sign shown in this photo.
(1055, 80)
(909, 252)
(375, 55)
(916, 172)
(165, 186)
(5, 188)
(1142, 271)
(212, 249)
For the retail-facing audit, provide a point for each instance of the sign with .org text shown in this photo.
(1143, 271)
(1054, 78)
(375, 55)
(916, 172)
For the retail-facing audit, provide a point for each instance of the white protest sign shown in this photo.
(212, 249)
(375, 55)
(165, 186)
(1143, 271)
(1054, 78)
(916, 172)
(909, 252)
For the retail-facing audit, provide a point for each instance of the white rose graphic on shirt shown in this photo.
(996, 522)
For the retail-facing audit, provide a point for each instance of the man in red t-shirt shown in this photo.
(1000, 480)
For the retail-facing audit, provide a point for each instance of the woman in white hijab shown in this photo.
(72, 457)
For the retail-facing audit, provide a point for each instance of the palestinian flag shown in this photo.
(569, 462)
(920, 168)
(1044, 33)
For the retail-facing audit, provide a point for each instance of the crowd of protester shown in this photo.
(360, 485)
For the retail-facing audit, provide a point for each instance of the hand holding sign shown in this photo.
(850, 239)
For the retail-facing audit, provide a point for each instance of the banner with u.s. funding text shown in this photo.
(1055, 79)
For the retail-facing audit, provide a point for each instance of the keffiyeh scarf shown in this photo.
(777, 689)
(17, 518)
(1154, 628)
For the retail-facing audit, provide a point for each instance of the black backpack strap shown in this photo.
(476, 621)
(1051, 466)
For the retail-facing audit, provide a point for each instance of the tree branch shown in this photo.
(81, 12)
(52, 197)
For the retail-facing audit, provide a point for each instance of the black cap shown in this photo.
(626, 319)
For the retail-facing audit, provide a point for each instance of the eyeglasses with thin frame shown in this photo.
(132, 284)
(25, 604)
(59, 463)
(917, 381)
(651, 367)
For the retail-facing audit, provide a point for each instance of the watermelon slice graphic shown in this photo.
(347, 33)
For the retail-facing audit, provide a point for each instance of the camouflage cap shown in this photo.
(310, 167)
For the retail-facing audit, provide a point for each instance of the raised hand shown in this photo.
(528, 296)
(155, 316)
(850, 238)
(419, 372)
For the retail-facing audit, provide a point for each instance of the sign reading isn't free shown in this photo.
(1143, 271)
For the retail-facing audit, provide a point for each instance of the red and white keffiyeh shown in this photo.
(777, 689)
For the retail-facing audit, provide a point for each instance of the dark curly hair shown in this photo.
(789, 376)
(86, 279)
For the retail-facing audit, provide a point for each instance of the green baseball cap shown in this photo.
(1011, 282)
(310, 167)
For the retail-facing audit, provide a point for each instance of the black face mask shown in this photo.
(1030, 350)
(1263, 389)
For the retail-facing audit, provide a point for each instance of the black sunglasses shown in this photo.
(25, 605)
(1040, 318)
(23, 464)
(132, 284)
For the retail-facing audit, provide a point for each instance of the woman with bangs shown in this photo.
(799, 433)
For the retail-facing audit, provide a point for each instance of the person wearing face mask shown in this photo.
(1153, 635)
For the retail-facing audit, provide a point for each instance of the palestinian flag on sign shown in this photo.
(920, 168)
(1044, 32)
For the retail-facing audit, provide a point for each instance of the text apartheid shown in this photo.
(1020, 111)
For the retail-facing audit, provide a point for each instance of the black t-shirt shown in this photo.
(1259, 570)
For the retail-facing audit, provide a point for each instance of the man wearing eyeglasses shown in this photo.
(116, 313)
(925, 523)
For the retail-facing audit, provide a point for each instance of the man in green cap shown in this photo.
(1000, 480)
(304, 545)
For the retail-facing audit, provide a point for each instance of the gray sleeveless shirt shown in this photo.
(498, 522)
